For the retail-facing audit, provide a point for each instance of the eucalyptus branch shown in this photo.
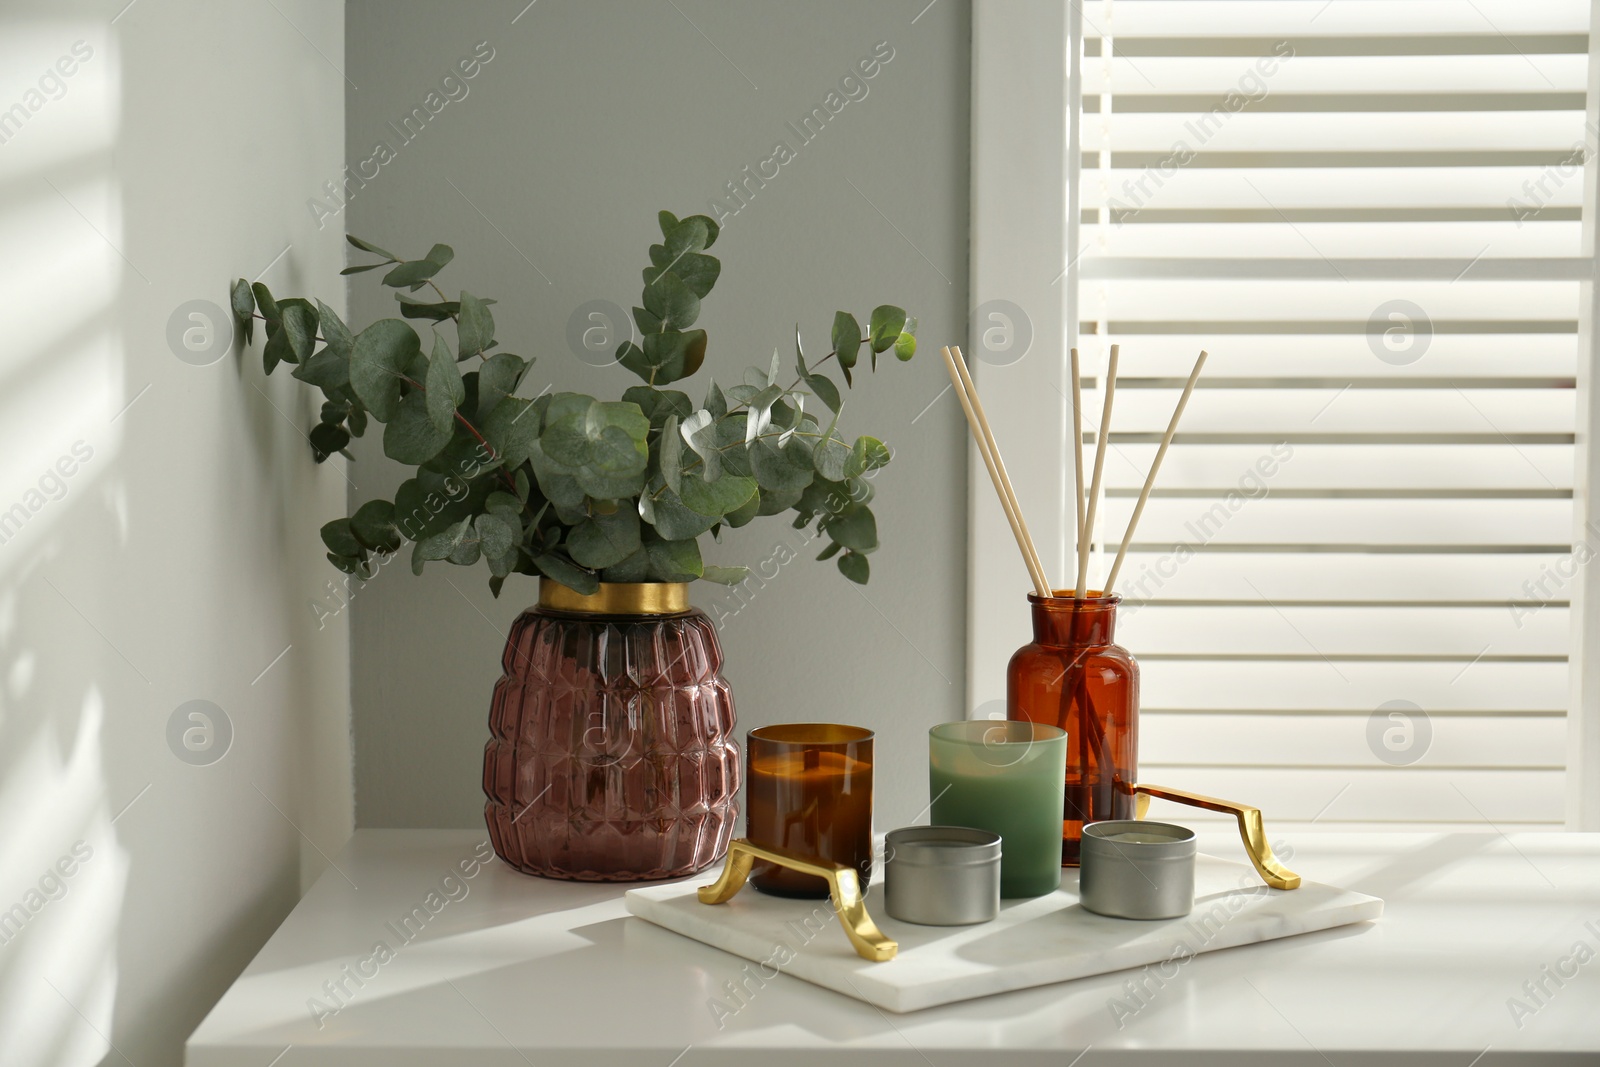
(600, 459)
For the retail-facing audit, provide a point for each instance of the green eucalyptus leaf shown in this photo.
(500, 503)
(468, 551)
(716, 499)
(744, 513)
(867, 454)
(264, 301)
(498, 376)
(335, 334)
(327, 439)
(668, 356)
(775, 502)
(437, 311)
(673, 520)
(887, 323)
(412, 274)
(674, 561)
(700, 432)
(905, 347)
(716, 403)
(823, 389)
(497, 534)
(647, 322)
(412, 436)
(299, 322)
(657, 404)
(829, 552)
(631, 357)
(854, 566)
(476, 327)
(442, 544)
(512, 430)
(378, 362)
(500, 567)
(445, 390)
(326, 370)
(276, 350)
(846, 338)
(440, 255)
(830, 455)
(566, 572)
(604, 445)
(784, 468)
(712, 229)
(733, 456)
(605, 540)
(368, 246)
(854, 527)
(692, 234)
(725, 575)
(339, 539)
(243, 302)
(668, 222)
(362, 268)
(374, 526)
(672, 301)
(699, 272)
(670, 450)
(636, 568)
(556, 483)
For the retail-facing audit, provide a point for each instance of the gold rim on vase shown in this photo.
(616, 598)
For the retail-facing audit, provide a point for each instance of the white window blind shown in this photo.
(1370, 213)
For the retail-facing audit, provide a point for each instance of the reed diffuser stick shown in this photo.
(1077, 448)
(979, 425)
(1030, 551)
(1099, 470)
(1150, 480)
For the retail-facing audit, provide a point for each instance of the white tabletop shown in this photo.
(499, 968)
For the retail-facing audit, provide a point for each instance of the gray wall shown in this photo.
(171, 506)
(546, 178)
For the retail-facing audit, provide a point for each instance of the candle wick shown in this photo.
(813, 759)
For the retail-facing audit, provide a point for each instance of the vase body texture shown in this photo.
(612, 756)
(1074, 676)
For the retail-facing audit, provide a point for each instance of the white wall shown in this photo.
(176, 561)
(589, 119)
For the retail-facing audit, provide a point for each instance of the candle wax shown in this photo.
(813, 801)
(1137, 838)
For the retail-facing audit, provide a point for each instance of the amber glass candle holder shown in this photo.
(810, 790)
(1072, 675)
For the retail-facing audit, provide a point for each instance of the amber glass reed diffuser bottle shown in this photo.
(1073, 676)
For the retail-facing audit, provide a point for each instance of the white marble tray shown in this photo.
(1033, 942)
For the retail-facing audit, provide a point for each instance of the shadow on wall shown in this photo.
(63, 874)
(154, 516)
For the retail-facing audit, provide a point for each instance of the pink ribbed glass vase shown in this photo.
(613, 757)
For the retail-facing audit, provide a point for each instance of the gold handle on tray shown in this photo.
(1252, 830)
(844, 886)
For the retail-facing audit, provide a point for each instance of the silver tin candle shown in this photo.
(1137, 870)
(942, 875)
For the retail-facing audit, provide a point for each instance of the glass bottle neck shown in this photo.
(1070, 623)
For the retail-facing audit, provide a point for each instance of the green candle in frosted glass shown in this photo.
(1007, 778)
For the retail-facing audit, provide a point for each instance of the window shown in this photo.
(1350, 595)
